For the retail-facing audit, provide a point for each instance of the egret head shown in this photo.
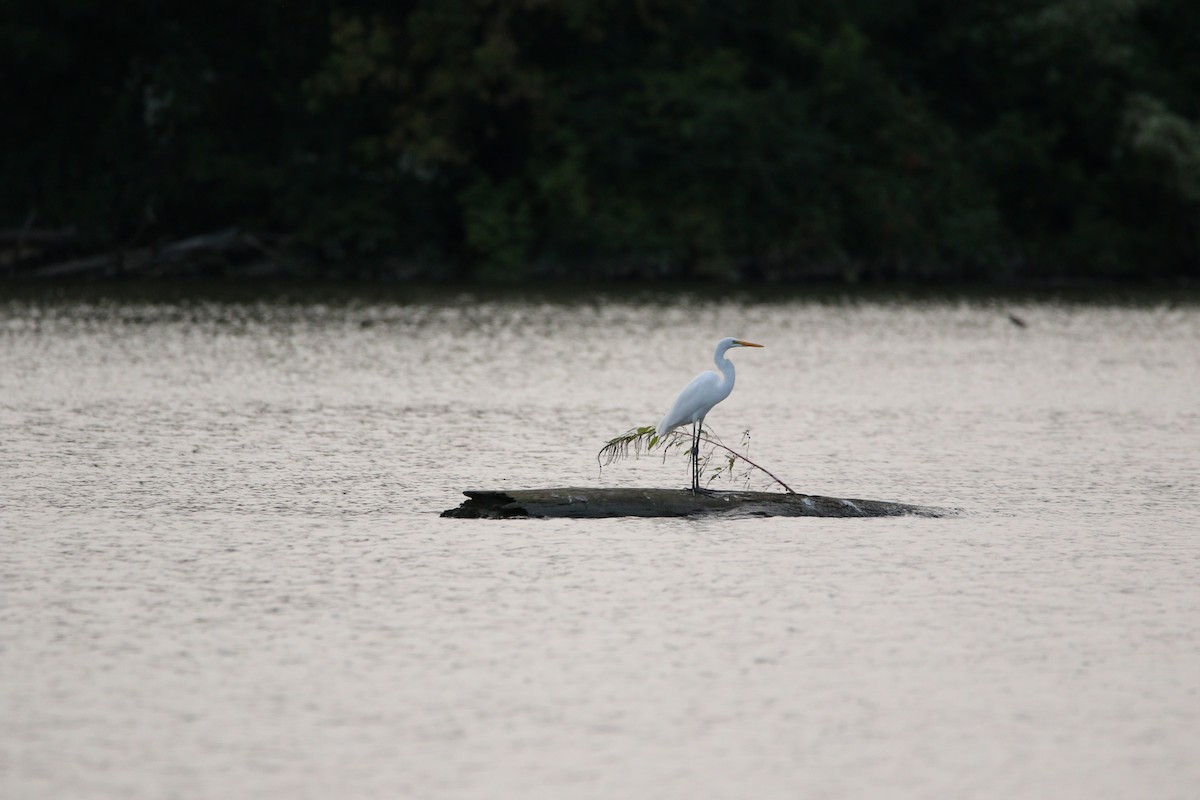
(729, 342)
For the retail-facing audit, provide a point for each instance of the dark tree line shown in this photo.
(847, 139)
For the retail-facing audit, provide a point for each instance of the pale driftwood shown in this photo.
(91, 265)
(37, 237)
(597, 503)
(198, 255)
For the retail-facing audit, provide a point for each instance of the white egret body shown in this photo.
(698, 397)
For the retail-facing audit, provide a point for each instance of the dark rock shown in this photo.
(598, 503)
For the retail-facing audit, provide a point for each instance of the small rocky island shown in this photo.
(584, 503)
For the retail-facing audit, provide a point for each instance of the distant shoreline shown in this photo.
(232, 255)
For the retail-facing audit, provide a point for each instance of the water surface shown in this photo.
(222, 573)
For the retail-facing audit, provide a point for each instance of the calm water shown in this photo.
(222, 573)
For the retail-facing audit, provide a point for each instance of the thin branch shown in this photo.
(644, 439)
(741, 457)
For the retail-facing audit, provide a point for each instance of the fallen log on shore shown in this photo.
(587, 503)
(39, 254)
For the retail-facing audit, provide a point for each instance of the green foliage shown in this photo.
(657, 138)
(633, 442)
(497, 225)
(1165, 145)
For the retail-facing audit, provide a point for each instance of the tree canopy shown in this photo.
(506, 140)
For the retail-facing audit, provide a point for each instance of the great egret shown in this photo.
(697, 399)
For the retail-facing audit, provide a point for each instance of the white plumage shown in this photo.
(698, 397)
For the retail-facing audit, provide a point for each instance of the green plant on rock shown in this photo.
(717, 461)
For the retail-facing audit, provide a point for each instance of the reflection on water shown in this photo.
(223, 573)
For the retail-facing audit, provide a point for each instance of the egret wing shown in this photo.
(693, 402)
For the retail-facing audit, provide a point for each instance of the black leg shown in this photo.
(692, 457)
(699, 426)
(696, 429)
